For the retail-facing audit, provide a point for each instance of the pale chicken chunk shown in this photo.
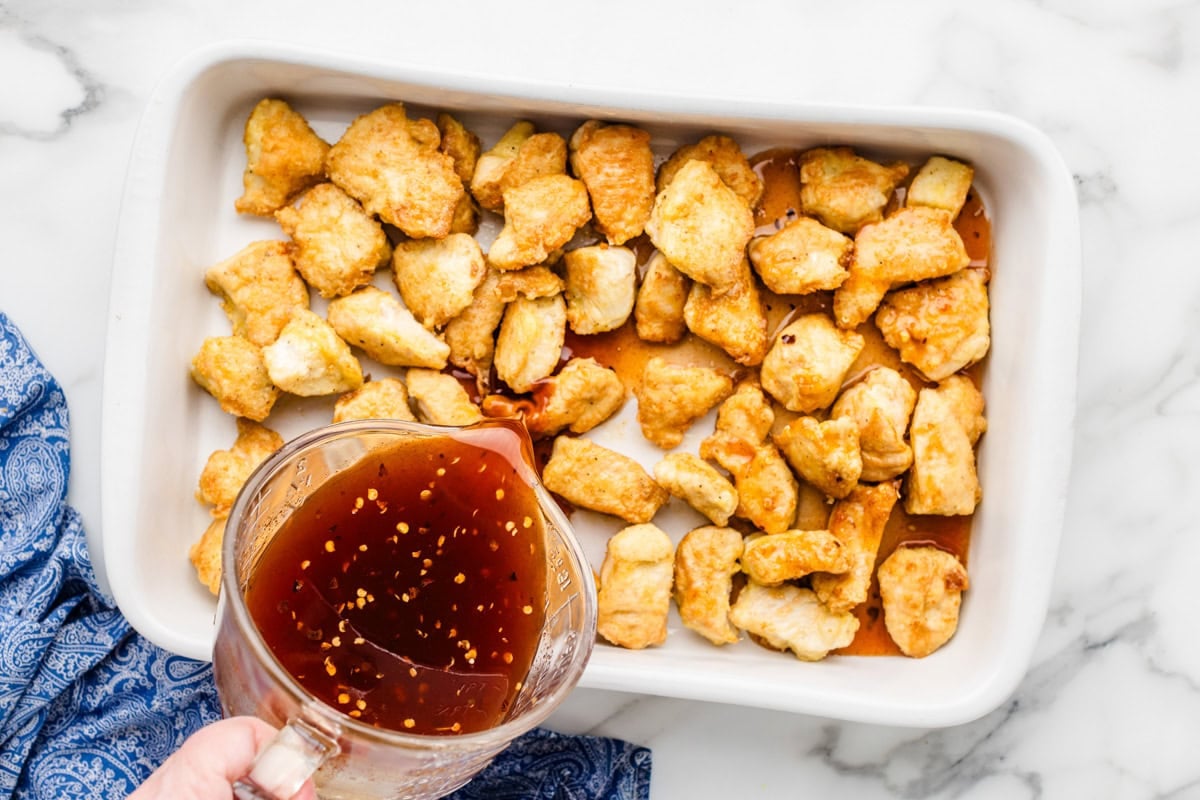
(658, 311)
(802, 257)
(693, 480)
(540, 216)
(310, 359)
(790, 618)
(530, 341)
(858, 522)
(844, 190)
(705, 563)
(283, 157)
(231, 369)
(634, 594)
(826, 454)
(392, 165)
(771, 559)
(471, 336)
(725, 156)
(205, 554)
(336, 245)
(922, 591)
(702, 226)
(226, 470)
(259, 287)
(386, 398)
(912, 244)
(616, 165)
(460, 144)
(601, 285)
(377, 323)
(880, 405)
(735, 321)
(437, 278)
(491, 166)
(581, 396)
(806, 365)
(941, 183)
(671, 397)
(591, 476)
(440, 399)
(946, 424)
(939, 326)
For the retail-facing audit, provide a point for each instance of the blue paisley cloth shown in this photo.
(89, 708)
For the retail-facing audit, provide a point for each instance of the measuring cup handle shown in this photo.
(288, 760)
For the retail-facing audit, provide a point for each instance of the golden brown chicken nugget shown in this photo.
(460, 144)
(634, 595)
(858, 522)
(530, 341)
(540, 216)
(941, 183)
(440, 399)
(386, 398)
(437, 278)
(802, 257)
(601, 286)
(939, 326)
(659, 309)
(581, 396)
(226, 470)
(377, 323)
(735, 321)
(283, 157)
(844, 190)
(310, 359)
(922, 591)
(705, 563)
(616, 164)
(205, 554)
(698, 484)
(880, 406)
(771, 559)
(805, 366)
(826, 454)
(726, 158)
(791, 618)
(471, 336)
(945, 426)
(259, 288)
(671, 397)
(592, 476)
(491, 166)
(231, 369)
(540, 154)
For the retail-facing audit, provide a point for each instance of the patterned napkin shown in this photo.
(88, 708)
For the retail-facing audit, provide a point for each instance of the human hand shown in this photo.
(211, 759)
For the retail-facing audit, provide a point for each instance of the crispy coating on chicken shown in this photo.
(671, 397)
(790, 618)
(336, 245)
(491, 166)
(601, 286)
(391, 164)
(693, 480)
(880, 406)
(259, 288)
(705, 563)
(702, 226)
(826, 454)
(377, 323)
(540, 216)
(205, 554)
(658, 310)
(725, 156)
(530, 283)
(540, 154)
(634, 595)
(941, 183)
(440, 399)
(802, 257)
(735, 321)
(939, 326)
(616, 165)
(530, 341)
(771, 559)
(922, 591)
(283, 157)
(946, 424)
(437, 278)
(310, 359)
(858, 522)
(743, 422)
(844, 190)
(471, 336)
(460, 144)
(806, 365)
(386, 398)
(591, 476)
(231, 369)
(226, 470)
(581, 396)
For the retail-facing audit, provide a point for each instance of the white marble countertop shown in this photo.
(1111, 705)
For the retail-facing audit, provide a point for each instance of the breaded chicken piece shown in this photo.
(939, 326)
(205, 554)
(471, 336)
(945, 426)
(460, 144)
(336, 246)
(803, 257)
(226, 470)
(616, 165)
(880, 406)
(941, 183)
(530, 283)
(634, 593)
(466, 216)
(671, 397)
(693, 480)
(771, 559)
(437, 278)
(858, 522)
(743, 422)
(702, 226)
(530, 341)
(386, 398)
(705, 563)
(440, 399)
(913, 244)
(658, 310)
(844, 190)
(391, 164)
(806, 365)
(588, 475)
(726, 158)
(310, 359)
(601, 286)
(540, 216)
(735, 321)
(790, 618)
(377, 323)
(283, 157)
(540, 154)
(259, 287)
(922, 591)
(491, 166)
(231, 369)
(581, 396)
(826, 454)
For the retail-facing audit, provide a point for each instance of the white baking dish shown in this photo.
(177, 218)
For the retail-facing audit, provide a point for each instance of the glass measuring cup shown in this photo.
(349, 758)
